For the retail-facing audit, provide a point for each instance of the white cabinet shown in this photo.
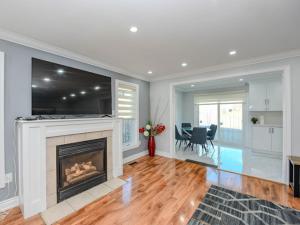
(257, 96)
(265, 95)
(267, 139)
(274, 96)
(261, 139)
(277, 139)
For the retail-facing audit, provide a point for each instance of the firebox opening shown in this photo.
(80, 166)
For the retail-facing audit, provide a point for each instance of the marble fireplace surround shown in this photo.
(36, 139)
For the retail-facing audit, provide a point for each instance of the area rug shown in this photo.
(221, 206)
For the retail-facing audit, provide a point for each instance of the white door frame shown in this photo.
(287, 110)
(2, 161)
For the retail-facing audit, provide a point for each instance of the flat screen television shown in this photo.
(62, 90)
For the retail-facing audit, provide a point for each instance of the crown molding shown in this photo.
(227, 66)
(39, 45)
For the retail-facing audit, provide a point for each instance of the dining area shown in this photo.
(194, 137)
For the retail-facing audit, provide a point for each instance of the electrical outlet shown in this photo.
(8, 177)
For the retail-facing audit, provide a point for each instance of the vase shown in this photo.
(151, 146)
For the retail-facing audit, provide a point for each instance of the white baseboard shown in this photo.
(9, 203)
(135, 156)
(163, 153)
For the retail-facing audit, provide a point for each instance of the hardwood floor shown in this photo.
(163, 191)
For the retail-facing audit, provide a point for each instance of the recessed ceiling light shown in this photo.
(184, 64)
(97, 87)
(233, 52)
(133, 29)
(60, 71)
(64, 98)
(192, 85)
(72, 95)
(149, 72)
(34, 86)
(241, 80)
(83, 92)
(47, 79)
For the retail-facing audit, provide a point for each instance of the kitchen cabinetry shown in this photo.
(265, 95)
(267, 139)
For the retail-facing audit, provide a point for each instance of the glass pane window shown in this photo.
(128, 133)
(127, 110)
(208, 114)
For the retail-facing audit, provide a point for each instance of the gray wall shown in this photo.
(18, 97)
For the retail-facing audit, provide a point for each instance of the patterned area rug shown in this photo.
(225, 207)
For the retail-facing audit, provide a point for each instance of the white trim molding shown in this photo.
(135, 156)
(164, 154)
(9, 203)
(2, 153)
(39, 45)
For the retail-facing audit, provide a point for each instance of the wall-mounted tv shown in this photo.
(62, 90)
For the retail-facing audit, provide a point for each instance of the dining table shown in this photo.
(189, 130)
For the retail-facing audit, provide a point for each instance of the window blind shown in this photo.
(126, 101)
(222, 97)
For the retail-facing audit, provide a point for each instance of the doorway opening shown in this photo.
(230, 104)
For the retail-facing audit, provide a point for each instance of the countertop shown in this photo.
(267, 125)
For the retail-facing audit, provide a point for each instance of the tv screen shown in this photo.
(62, 90)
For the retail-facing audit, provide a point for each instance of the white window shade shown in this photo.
(126, 101)
(221, 97)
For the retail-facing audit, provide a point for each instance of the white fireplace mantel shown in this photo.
(31, 139)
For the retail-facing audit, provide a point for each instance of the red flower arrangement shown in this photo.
(150, 130)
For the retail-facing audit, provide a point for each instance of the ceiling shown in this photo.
(199, 32)
(238, 82)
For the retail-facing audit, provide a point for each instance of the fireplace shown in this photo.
(80, 166)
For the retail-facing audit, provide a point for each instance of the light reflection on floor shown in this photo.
(238, 160)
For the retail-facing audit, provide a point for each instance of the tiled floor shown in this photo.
(77, 202)
(239, 160)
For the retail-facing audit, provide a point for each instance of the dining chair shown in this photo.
(212, 133)
(186, 128)
(199, 137)
(186, 125)
(180, 137)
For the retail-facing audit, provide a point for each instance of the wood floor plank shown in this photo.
(163, 191)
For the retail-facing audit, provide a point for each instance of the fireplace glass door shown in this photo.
(80, 166)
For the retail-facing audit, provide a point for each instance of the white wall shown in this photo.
(188, 105)
(179, 109)
(160, 92)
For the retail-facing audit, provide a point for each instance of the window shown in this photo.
(127, 109)
(225, 110)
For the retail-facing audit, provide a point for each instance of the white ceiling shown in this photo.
(199, 32)
(228, 83)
